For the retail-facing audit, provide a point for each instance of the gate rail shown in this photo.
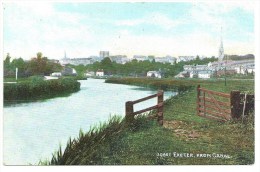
(236, 105)
(129, 107)
(210, 107)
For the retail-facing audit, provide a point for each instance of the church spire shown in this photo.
(221, 49)
(65, 56)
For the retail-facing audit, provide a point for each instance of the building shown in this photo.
(67, 71)
(167, 59)
(121, 59)
(79, 61)
(50, 77)
(89, 74)
(204, 74)
(226, 72)
(140, 57)
(57, 74)
(171, 59)
(250, 69)
(183, 74)
(100, 72)
(96, 58)
(185, 58)
(221, 49)
(154, 74)
(103, 54)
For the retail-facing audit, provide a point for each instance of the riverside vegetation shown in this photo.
(36, 88)
(144, 142)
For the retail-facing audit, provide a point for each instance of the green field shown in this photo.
(184, 139)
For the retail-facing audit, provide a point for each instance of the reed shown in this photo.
(37, 89)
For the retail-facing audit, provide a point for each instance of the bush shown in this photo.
(176, 85)
(37, 88)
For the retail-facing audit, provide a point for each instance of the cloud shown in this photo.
(220, 7)
(155, 19)
(33, 27)
(194, 43)
(162, 45)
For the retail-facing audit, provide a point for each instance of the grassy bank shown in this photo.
(166, 84)
(37, 88)
(146, 143)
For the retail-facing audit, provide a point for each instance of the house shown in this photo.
(183, 74)
(185, 58)
(100, 72)
(67, 71)
(140, 57)
(89, 74)
(188, 67)
(204, 74)
(50, 77)
(154, 74)
(250, 69)
(193, 74)
(121, 59)
(57, 74)
(226, 72)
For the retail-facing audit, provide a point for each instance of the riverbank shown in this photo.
(184, 139)
(187, 84)
(37, 89)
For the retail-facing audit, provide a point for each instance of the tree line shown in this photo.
(38, 65)
(139, 68)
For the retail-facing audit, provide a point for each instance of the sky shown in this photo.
(83, 29)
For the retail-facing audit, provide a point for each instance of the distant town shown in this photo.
(218, 68)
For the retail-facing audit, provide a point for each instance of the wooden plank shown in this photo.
(198, 99)
(160, 114)
(215, 93)
(207, 99)
(216, 103)
(228, 111)
(204, 102)
(212, 117)
(145, 98)
(160, 105)
(145, 110)
(213, 113)
(129, 112)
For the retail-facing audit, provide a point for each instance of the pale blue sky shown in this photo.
(83, 29)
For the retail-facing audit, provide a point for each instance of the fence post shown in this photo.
(198, 100)
(129, 109)
(235, 104)
(160, 107)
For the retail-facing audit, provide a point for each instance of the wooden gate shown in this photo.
(213, 105)
(129, 108)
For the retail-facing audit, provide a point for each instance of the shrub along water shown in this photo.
(165, 84)
(37, 88)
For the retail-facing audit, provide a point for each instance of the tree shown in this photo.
(7, 60)
(39, 55)
(37, 66)
(20, 64)
(8, 71)
(107, 65)
(80, 69)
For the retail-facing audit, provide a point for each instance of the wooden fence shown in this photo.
(223, 106)
(129, 108)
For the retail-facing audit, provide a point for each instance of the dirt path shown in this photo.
(182, 130)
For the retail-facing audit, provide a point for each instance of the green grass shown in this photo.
(144, 141)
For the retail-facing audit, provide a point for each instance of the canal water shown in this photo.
(33, 131)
